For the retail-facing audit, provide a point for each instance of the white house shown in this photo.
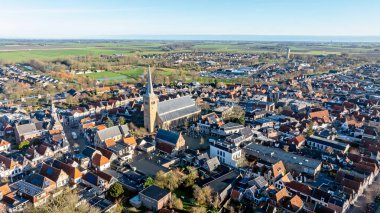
(227, 129)
(226, 153)
(5, 146)
(9, 168)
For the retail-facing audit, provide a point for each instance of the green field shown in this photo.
(26, 55)
(23, 51)
(129, 75)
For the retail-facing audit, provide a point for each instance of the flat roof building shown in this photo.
(294, 162)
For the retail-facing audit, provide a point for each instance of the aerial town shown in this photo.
(201, 106)
(302, 143)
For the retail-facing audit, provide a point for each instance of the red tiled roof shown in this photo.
(323, 114)
(297, 140)
(4, 143)
(99, 160)
(235, 194)
(130, 140)
(283, 193)
(278, 169)
(296, 203)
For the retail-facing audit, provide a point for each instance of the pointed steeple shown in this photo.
(149, 87)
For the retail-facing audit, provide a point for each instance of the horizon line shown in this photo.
(210, 37)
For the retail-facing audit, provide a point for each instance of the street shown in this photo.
(367, 197)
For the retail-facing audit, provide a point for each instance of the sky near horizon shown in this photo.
(103, 18)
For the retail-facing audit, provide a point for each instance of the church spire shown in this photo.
(149, 87)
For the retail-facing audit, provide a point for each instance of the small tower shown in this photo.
(150, 105)
(288, 55)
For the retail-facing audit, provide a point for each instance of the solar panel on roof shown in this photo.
(50, 171)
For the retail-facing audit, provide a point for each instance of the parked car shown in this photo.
(74, 134)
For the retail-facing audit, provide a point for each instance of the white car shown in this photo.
(74, 134)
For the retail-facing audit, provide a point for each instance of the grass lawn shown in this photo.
(132, 75)
(165, 71)
(186, 195)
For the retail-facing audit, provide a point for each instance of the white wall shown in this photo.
(230, 159)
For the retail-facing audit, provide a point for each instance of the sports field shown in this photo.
(129, 75)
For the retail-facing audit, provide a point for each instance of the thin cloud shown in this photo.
(62, 11)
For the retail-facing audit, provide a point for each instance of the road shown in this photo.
(367, 197)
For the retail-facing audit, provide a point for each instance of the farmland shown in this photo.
(22, 51)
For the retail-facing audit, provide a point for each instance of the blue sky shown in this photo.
(102, 18)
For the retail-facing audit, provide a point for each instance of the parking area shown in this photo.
(75, 144)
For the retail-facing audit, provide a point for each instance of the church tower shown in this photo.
(150, 105)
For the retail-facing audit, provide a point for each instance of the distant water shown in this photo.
(269, 38)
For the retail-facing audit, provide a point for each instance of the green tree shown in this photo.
(204, 196)
(168, 180)
(310, 130)
(199, 195)
(191, 176)
(23, 144)
(116, 190)
(68, 201)
(109, 122)
(200, 209)
(121, 120)
(148, 182)
(237, 115)
(176, 202)
(172, 181)
(160, 179)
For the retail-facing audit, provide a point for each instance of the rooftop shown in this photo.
(155, 192)
(278, 154)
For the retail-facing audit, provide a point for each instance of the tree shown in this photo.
(23, 144)
(121, 120)
(168, 180)
(205, 196)
(237, 115)
(199, 195)
(148, 182)
(109, 122)
(160, 179)
(191, 176)
(172, 181)
(207, 192)
(176, 202)
(68, 201)
(200, 209)
(116, 190)
(310, 130)
(220, 85)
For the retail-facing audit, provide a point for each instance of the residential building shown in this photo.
(226, 153)
(154, 197)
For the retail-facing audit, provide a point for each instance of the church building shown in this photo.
(167, 114)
